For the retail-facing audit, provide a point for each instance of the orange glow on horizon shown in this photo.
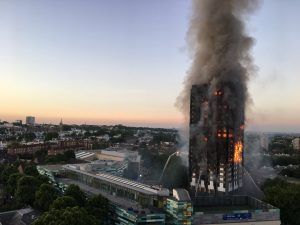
(130, 120)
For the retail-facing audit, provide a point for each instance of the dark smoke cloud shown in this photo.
(220, 50)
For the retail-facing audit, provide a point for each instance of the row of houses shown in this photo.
(53, 148)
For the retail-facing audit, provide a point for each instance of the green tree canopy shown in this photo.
(6, 172)
(69, 154)
(51, 135)
(98, 206)
(26, 188)
(41, 179)
(44, 197)
(41, 154)
(12, 182)
(68, 216)
(31, 170)
(75, 192)
(30, 136)
(286, 197)
(63, 203)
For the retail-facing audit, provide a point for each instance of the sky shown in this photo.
(124, 62)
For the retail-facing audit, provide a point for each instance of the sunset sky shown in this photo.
(116, 61)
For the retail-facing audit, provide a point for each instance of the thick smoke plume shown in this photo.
(220, 51)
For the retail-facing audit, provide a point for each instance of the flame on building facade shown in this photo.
(216, 140)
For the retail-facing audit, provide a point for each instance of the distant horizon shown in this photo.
(180, 126)
(124, 62)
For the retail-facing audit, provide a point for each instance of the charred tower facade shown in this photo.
(216, 138)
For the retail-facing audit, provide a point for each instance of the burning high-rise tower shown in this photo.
(216, 139)
(215, 93)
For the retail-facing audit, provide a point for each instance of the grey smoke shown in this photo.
(220, 50)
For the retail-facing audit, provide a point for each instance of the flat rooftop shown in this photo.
(233, 209)
(54, 168)
(223, 209)
(181, 194)
(139, 187)
(230, 203)
(94, 191)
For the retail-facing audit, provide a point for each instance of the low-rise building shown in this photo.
(134, 203)
(296, 144)
(115, 161)
(179, 208)
(142, 194)
(19, 217)
(264, 141)
(66, 145)
(30, 120)
(84, 155)
(131, 216)
(234, 210)
(3, 145)
(28, 148)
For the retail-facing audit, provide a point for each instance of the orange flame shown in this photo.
(218, 93)
(238, 150)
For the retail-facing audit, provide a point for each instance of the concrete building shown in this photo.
(28, 148)
(130, 216)
(134, 203)
(18, 122)
(296, 144)
(116, 168)
(264, 141)
(30, 120)
(65, 145)
(121, 157)
(24, 216)
(143, 195)
(234, 210)
(111, 155)
(216, 141)
(3, 145)
(87, 156)
(179, 208)
(119, 162)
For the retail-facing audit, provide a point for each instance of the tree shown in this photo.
(51, 135)
(75, 192)
(12, 182)
(63, 203)
(66, 127)
(286, 197)
(163, 137)
(291, 172)
(42, 179)
(87, 134)
(98, 206)
(41, 154)
(44, 197)
(68, 216)
(29, 136)
(26, 188)
(31, 170)
(69, 155)
(7, 171)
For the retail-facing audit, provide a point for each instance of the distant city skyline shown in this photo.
(123, 62)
